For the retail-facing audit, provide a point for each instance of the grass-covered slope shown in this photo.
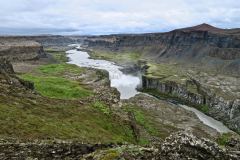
(62, 106)
(49, 81)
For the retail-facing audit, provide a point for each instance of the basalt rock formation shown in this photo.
(226, 111)
(205, 45)
(47, 150)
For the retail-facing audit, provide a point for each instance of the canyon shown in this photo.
(199, 65)
(53, 109)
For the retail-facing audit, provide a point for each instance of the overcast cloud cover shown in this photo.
(113, 16)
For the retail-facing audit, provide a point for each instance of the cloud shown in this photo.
(111, 16)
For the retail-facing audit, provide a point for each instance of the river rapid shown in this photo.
(126, 84)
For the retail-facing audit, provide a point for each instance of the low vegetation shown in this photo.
(224, 138)
(57, 87)
(102, 107)
(123, 57)
(142, 119)
(61, 121)
(50, 81)
(62, 112)
(150, 127)
(59, 56)
(166, 72)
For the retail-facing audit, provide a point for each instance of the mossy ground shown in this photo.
(166, 72)
(66, 121)
(63, 110)
(224, 138)
(59, 56)
(50, 81)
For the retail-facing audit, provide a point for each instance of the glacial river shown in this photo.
(126, 84)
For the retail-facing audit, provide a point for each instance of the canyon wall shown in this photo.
(18, 48)
(15, 49)
(227, 111)
(214, 50)
(202, 48)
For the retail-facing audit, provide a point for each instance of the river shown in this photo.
(126, 84)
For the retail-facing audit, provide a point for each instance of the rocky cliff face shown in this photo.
(15, 49)
(201, 48)
(47, 150)
(6, 67)
(219, 108)
(8, 77)
(49, 41)
(215, 48)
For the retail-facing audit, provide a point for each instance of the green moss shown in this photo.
(56, 87)
(204, 108)
(142, 119)
(59, 56)
(166, 72)
(143, 141)
(49, 81)
(56, 69)
(224, 138)
(102, 107)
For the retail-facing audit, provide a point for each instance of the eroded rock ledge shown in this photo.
(226, 111)
(19, 50)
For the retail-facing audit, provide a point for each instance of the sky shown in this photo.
(96, 17)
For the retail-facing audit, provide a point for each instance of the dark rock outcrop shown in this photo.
(226, 111)
(183, 145)
(8, 77)
(43, 150)
(6, 67)
(20, 49)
